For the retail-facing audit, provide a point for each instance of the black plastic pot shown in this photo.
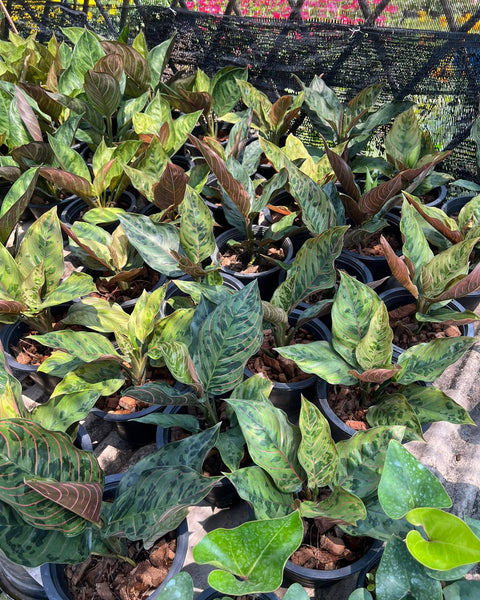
(211, 594)
(53, 577)
(185, 162)
(135, 433)
(83, 439)
(378, 265)
(267, 280)
(76, 208)
(17, 582)
(38, 210)
(319, 579)
(288, 396)
(229, 281)
(223, 494)
(10, 335)
(398, 296)
(281, 199)
(438, 196)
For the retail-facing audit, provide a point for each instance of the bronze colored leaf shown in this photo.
(398, 267)
(467, 285)
(452, 236)
(111, 64)
(374, 375)
(344, 173)
(28, 116)
(170, 190)
(279, 109)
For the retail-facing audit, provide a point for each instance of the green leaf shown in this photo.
(403, 141)
(360, 594)
(84, 345)
(97, 314)
(153, 241)
(10, 276)
(431, 404)
(361, 458)
(462, 590)
(375, 348)
(394, 409)
(272, 442)
(176, 357)
(231, 445)
(352, 312)
(161, 393)
(407, 484)
(43, 243)
(86, 52)
(157, 60)
(450, 542)
(317, 211)
(227, 338)
(75, 286)
(196, 227)
(255, 486)
(400, 576)
(426, 362)
(11, 403)
(145, 316)
(225, 90)
(252, 556)
(317, 452)
(320, 359)
(340, 506)
(69, 160)
(167, 494)
(187, 422)
(103, 92)
(62, 412)
(296, 592)
(103, 376)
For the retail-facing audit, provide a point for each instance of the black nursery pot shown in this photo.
(38, 210)
(17, 582)
(319, 579)
(223, 494)
(77, 207)
(288, 396)
(10, 335)
(378, 265)
(53, 577)
(211, 594)
(267, 280)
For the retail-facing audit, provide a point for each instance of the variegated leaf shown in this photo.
(394, 409)
(75, 184)
(196, 227)
(176, 357)
(167, 494)
(398, 268)
(375, 348)
(43, 243)
(317, 452)
(135, 66)
(63, 413)
(75, 286)
(253, 388)
(361, 458)
(27, 450)
(426, 362)
(232, 187)
(374, 375)
(341, 507)
(468, 284)
(84, 345)
(103, 377)
(162, 394)
(447, 316)
(255, 486)
(431, 404)
(28, 116)
(272, 442)
(89, 242)
(59, 364)
(227, 338)
(352, 311)
(11, 403)
(319, 358)
(317, 210)
(275, 315)
(83, 499)
(97, 314)
(437, 219)
(16, 201)
(154, 242)
(70, 161)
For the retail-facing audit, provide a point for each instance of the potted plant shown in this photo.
(304, 471)
(33, 284)
(434, 280)
(55, 508)
(359, 358)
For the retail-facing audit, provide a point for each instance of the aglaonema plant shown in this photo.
(435, 279)
(31, 281)
(214, 96)
(51, 508)
(360, 356)
(15, 202)
(428, 551)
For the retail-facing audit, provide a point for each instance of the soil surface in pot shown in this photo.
(147, 279)
(105, 578)
(374, 248)
(327, 548)
(277, 368)
(405, 328)
(237, 258)
(120, 404)
(344, 402)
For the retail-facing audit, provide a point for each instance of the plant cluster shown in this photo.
(190, 352)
